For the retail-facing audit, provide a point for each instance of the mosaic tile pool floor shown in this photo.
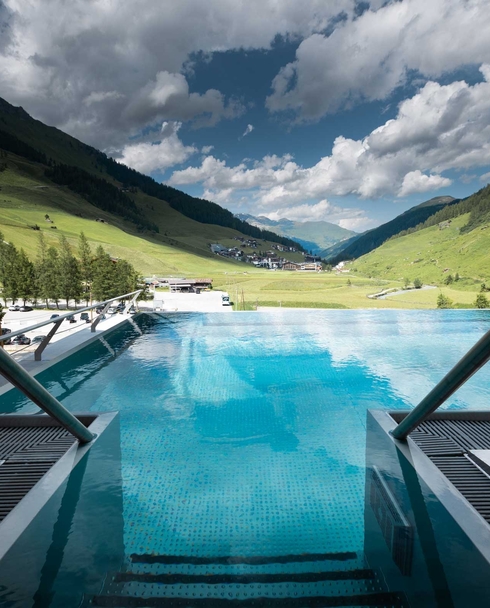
(244, 434)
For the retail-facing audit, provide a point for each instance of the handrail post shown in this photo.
(470, 363)
(27, 384)
(46, 340)
(101, 316)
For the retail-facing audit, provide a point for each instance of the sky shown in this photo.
(343, 111)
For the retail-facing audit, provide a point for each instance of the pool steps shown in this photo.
(247, 581)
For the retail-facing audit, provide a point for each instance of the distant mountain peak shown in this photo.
(315, 236)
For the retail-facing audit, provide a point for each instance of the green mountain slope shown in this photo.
(314, 236)
(26, 196)
(376, 237)
(31, 139)
(433, 253)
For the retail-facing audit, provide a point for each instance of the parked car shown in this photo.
(54, 316)
(25, 309)
(6, 330)
(37, 339)
(99, 309)
(14, 308)
(71, 319)
(84, 317)
(112, 310)
(121, 306)
(21, 339)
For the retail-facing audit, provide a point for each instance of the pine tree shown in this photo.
(8, 270)
(41, 269)
(26, 277)
(482, 301)
(70, 283)
(125, 278)
(86, 269)
(51, 282)
(103, 276)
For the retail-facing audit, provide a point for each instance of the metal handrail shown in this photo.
(60, 318)
(17, 375)
(469, 364)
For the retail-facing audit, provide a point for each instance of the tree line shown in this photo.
(58, 274)
(197, 209)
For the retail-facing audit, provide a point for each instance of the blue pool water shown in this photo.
(245, 434)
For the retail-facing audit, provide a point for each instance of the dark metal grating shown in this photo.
(27, 452)
(446, 438)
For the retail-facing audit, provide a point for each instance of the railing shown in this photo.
(469, 364)
(57, 321)
(19, 377)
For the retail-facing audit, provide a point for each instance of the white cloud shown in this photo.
(415, 182)
(55, 55)
(366, 58)
(485, 178)
(97, 97)
(248, 130)
(442, 127)
(346, 217)
(169, 151)
(168, 96)
(207, 149)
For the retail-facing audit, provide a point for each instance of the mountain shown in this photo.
(374, 238)
(314, 236)
(43, 172)
(452, 243)
(105, 183)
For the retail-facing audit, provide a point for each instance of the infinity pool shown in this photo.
(244, 434)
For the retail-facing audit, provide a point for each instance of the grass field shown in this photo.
(431, 255)
(327, 290)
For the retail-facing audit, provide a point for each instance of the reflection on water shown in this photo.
(246, 434)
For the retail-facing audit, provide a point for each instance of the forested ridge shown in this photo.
(50, 148)
(377, 236)
(99, 193)
(477, 205)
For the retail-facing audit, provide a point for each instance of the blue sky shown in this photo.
(342, 111)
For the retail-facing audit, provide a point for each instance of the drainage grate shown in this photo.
(27, 452)
(446, 438)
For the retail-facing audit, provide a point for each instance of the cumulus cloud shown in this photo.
(442, 127)
(415, 182)
(346, 217)
(366, 58)
(101, 69)
(485, 178)
(168, 96)
(158, 156)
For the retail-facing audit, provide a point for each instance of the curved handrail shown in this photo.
(469, 364)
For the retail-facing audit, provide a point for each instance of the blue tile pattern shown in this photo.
(244, 434)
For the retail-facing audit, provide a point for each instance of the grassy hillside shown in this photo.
(376, 237)
(432, 254)
(181, 247)
(81, 168)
